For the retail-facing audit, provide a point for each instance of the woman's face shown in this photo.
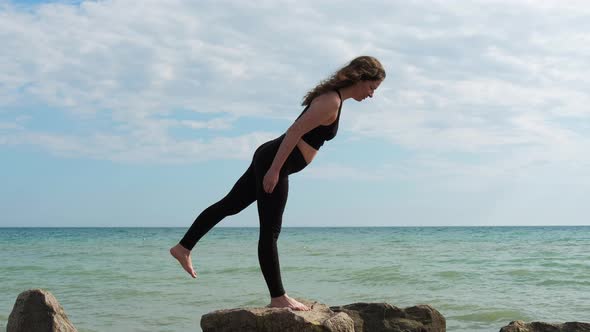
(366, 89)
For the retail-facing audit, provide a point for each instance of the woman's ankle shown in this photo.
(181, 246)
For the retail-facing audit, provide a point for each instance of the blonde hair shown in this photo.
(362, 68)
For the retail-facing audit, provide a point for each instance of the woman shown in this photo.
(267, 179)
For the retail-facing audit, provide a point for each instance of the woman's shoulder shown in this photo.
(327, 99)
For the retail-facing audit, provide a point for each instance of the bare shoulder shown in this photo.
(329, 101)
(323, 110)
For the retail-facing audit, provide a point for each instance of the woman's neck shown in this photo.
(347, 92)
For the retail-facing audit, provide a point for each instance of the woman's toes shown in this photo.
(301, 306)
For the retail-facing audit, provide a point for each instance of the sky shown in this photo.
(142, 114)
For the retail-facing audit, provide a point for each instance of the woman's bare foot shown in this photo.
(287, 302)
(183, 256)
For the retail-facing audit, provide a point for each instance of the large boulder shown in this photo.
(38, 310)
(520, 326)
(383, 317)
(319, 319)
(357, 317)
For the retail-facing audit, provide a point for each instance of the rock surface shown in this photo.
(383, 317)
(520, 326)
(319, 319)
(38, 310)
(359, 317)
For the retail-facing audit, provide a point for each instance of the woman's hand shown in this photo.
(270, 181)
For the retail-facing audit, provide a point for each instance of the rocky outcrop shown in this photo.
(359, 317)
(520, 326)
(38, 310)
(319, 319)
(383, 317)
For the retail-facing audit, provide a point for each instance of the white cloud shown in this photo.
(152, 149)
(9, 125)
(336, 172)
(212, 124)
(485, 76)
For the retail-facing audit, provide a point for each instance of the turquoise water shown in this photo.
(479, 278)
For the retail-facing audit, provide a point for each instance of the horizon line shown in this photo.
(364, 226)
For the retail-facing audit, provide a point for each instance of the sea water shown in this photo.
(124, 279)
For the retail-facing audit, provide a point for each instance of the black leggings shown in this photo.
(270, 208)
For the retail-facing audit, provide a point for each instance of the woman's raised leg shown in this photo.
(240, 196)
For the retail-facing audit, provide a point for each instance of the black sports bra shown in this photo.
(318, 135)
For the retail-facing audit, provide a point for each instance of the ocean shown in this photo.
(479, 278)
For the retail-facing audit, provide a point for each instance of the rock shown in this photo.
(520, 326)
(383, 317)
(38, 310)
(319, 319)
(359, 317)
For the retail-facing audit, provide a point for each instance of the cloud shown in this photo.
(487, 78)
(121, 148)
(330, 171)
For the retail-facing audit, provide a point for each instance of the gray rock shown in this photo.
(383, 317)
(37, 310)
(520, 326)
(319, 319)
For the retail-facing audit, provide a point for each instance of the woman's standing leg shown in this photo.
(270, 211)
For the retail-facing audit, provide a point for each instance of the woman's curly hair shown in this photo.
(362, 68)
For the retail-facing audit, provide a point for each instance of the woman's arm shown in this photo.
(321, 110)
